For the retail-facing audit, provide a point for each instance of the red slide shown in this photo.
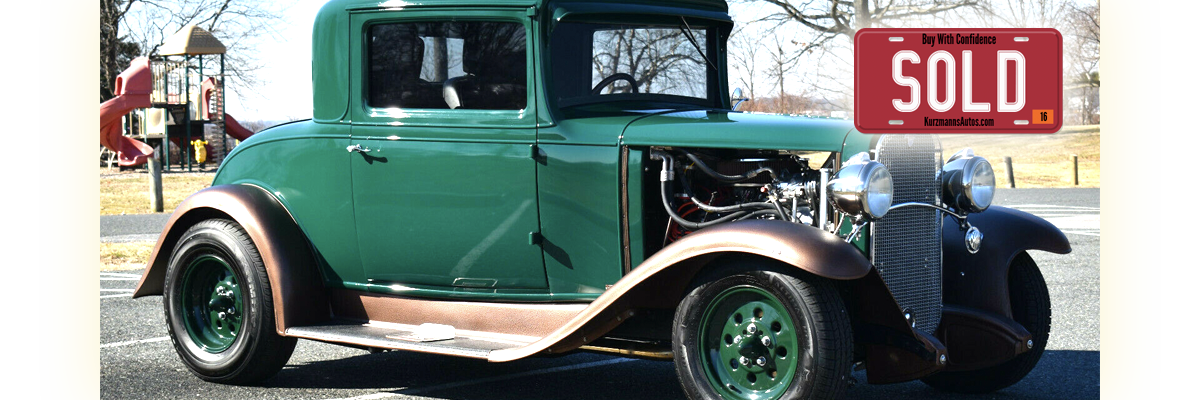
(232, 127)
(133, 89)
(236, 130)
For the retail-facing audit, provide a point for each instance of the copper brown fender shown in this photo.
(296, 286)
(661, 279)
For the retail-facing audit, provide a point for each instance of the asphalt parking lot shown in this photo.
(137, 360)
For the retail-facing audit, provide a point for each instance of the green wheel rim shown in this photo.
(749, 345)
(211, 302)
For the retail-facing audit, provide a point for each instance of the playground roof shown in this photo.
(191, 40)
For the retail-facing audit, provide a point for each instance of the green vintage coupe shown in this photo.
(518, 178)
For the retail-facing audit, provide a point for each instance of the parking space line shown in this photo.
(413, 391)
(119, 293)
(1073, 220)
(116, 276)
(131, 342)
(1053, 206)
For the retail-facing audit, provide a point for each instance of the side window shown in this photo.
(447, 65)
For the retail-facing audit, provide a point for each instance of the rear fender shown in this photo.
(296, 286)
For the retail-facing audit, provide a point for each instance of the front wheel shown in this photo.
(1030, 300)
(219, 308)
(763, 335)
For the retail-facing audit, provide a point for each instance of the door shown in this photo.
(444, 198)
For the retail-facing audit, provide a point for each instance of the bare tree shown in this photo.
(821, 60)
(743, 56)
(782, 63)
(1083, 69)
(845, 17)
(1024, 13)
(662, 60)
(242, 25)
(1079, 22)
(115, 49)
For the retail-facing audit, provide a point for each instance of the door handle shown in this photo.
(357, 148)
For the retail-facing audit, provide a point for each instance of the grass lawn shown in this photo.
(129, 192)
(1038, 160)
(124, 256)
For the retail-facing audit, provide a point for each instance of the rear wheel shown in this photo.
(1030, 301)
(762, 335)
(218, 306)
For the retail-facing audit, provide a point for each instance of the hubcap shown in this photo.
(211, 302)
(748, 344)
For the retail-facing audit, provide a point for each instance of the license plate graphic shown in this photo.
(958, 80)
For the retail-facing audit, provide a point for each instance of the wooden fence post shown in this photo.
(1075, 167)
(156, 191)
(1012, 182)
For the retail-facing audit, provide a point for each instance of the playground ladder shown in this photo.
(217, 118)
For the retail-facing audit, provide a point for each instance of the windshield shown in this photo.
(595, 63)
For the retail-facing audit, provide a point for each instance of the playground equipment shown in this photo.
(170, 99)
(132, 89)
(201, 150)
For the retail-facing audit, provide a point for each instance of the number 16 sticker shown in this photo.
(1043, 116)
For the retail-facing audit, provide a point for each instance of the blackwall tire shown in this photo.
(806, 353)
(1031, 308)
(218, 306)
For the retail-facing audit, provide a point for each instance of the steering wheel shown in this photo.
(613, 78)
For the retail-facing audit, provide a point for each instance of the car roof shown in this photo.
(384, 4)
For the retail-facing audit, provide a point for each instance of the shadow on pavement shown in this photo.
(1061, 374)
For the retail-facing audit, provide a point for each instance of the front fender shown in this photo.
(980, 280)
(663, 279)
(801, 246)
(296, 286)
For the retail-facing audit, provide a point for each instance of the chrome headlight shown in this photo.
(862, 188)
(968, 182)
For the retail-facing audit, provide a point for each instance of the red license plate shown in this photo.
(957, 80)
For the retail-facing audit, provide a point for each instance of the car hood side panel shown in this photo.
(734, 130)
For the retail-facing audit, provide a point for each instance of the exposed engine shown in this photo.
(700, 189)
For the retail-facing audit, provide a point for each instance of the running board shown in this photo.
(406, 337)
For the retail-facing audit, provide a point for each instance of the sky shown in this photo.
(286, 92)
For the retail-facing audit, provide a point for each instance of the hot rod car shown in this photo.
(518, 178)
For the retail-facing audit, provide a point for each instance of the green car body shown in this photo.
(556, 202)
(573, 184)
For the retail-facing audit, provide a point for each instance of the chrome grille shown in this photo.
(906, 245)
